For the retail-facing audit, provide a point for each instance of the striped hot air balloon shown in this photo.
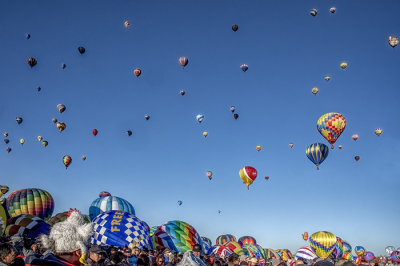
(306, 254)
(248, 174)
(109, 203)
(221, 251)
(235, 247)
(222, 239)
(322, 243)
(317, 153)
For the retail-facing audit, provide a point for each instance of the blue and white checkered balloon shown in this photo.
(120, 229)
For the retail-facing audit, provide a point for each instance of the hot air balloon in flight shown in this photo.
(61, 126)
(83, 157)
(331, 125)
(313, 12)
(45, 143)
(266, 178)
(95, 132)
(393, 41)
(205, 134)
(22, 141)
(291, 145)
(357, 158)
(6, 141)
(332, 9)
(183, 61)
(235, 116)
(63, 66)
(199, 118)
(235, 27)
(378, 131)
(28, 36)
(355, 137)
(67, 160)
(8, 149)
(39, 138)
(343, 65)
(315, 90)
(322, 243)
(232, 108)
(137, 72)
(146, 116)
(19, 120)
(244, 67)
(327, 78)
(5, 134)
(179, 202)
(340, 147)
(389, 250)
(81, 49)
(129, 133)
(209, 174)
(182, 92)
(54, 120)
(248, 174)
(127, 24)
(317, 153)
(258, 148)
(61, 108)
(32, 61)
(305, 236)
(38, 88)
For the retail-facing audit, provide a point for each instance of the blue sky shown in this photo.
(288, 52)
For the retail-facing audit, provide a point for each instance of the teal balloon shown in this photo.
(317, 153)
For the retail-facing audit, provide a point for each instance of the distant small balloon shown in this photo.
(32, 61)
(378, 131)
(235, 27)
(67, 160)
(22, 141)
(343, 65)
(54, 120)
(179, 202)
(83, 157)
(219, 211)
(332, 9)
(63, 66)
(183, 61)
(244, 67)
(81, 49)
(61, 108)
(205, 134)
(235, 116)
(313, 12)
(6, 141)
(61, 126)
(19, 120)
(291, 145)
(233, 108)
(38, 88)
(267, 178)
(182, 92)
(94, 132)
(340, 147)
(8, 149)
(129, 133)
(40, 138)
(28, 36)
(199, 118)
(137, 72)
(45, 143)
(127, 24)
(5, 134)
(357, 158)
(327, 78)
(209, 174)
(355, 137)
(393, 41)
(315, 90)
(258, 148)
(146, 116)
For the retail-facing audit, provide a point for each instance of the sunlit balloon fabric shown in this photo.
(27, 225)
(393, 41)
(271, 254)
(331, 125)
(67, 160)
(221, 250)
(235, 247)
(252, 250)
(285, 254)
(368, 256)
(177, 236)
(247, 240)
(359, 250)
(120, 229)
(248, 174)
(222, 239)
(338, 250)
(322, 243)
(317, 153)
(110, 203)
(31, 201)
(305, 253)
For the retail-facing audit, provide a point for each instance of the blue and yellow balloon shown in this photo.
(317, 153)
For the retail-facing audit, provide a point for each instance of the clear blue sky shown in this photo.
(165, 160)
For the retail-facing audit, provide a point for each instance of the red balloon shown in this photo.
(95, 132)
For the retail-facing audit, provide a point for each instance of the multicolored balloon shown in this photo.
(244, 67)
(221, 250)
(378, 131)
(199, 118)
(127, 24)
(331, 125)
(183, 61)
(209, 174)
(393, 41)
(45, 143)
(61, 126)
(247, 240)
(343, 65)
(355, 137)
(285, 254)
(322, 243)
(252, 250)
(28, 226)
(61, 108)
(206, 247)
(395, 256)
(31, 201)
(306, 254)
(104, 194)
(313, 12)
(369, 256)
(271, 254)
(120, 229)
(248, 174)
(67, 160)
(206, 239)
(359, 250)
(3, 220)
(346, 247)
(223, 239)
(338, 250)
(315, 90)
(109, 203)
(137, 72)
(317, 153)
(258, 148)
(235, 247)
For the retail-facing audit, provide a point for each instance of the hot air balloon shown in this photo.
(61, 108)
(54, 120)
(327, 78)
(45, 143)
(389, 250)
(247, 240)
(305, 236)
(357, 158)
(315, 90)
(104, 194)
(19, 120)
(83, 157)
(235, 27)
(127, 24)
(183, 61)
(232, 108)
(27, 226)
(369, 256)
(235, 247)
(340, 147)
(61, 126)
(182, 92)
(31, 201)
(137, 72)
(258, 148)
(207, 240)
(248, 174)
(322, 243)
(223, 239)
(359, 250)
(209, 174)
(179, 202)
(38, 88)
(94, 132)
(22, 141)
(8, 149)
(120, 229)
(40, 138)
(306, 254)
(146, 116)
(32, 61)
(81, 49)
(206, 247)
(285, 254)
(109, 203)
(393, 41)
(355, 137)
(28, 36)
(221, 250)
(343, 65)
(331, 125)
(338, 250)
(63, 66)
(266, 177)
(199, 118)
(235, 116)
(6, 141)
(3, 191)
(205, 134)
(3, 219)
(346, 247)
(378, 131)
(219, 211)
(332, 9)
(244, 67)
(129, 133)
(291, 145)
(313, 12)
(395, 256)
(317, 153)
(67, 160)
(5, 134)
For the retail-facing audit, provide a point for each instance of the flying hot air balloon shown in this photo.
(209, 174)
(22, 141)
(266, 178)
(393, 41)
(331, 125)
(235, 27)
(183, 61)
(38, 88)
(244, 67)
(28, 36)
(61, 126)
(54, 120)
(235, 116)
(248, 174)
(317, 153)
(199, 118)
(205, 134)
(332, 10)
(95, 132)
(378, 131)
(129, 133)
(315, 90)
(343, 65)
(313, 12)
(61, 108)
(327, 78)
(127, 24)
(232, 108)
(45, 143)
(322, 243)
(291, 145)
(355, 137)
(67, 160)
(83, 157)
(8, 149)
(32, 61)
(6, 141)
(179, 202)
(357, 158)
(19, 120)
(305, 236)
(182, 92)
(258, 148)
(137, 72)
(5, 134)
(146, 116)
(63, 66)
(81, 49)
(340, 147)
(40, 138)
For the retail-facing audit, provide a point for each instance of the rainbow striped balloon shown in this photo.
(31, 201)
(110, 203)
(222, 239)
(247, 240)
(252, 250)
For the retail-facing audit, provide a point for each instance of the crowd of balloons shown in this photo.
(29, 213)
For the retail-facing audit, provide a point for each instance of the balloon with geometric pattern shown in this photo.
(306, 254)
(359, 250)
(285, 254)
(221, 250)
(271, 254)
(322, 243)
(252, 250)
(222, 239)
(206, 239)
(235, 247)
(247, 240)
(331, 125)
(27, 225)
(31, 201)
(369, 256)
(395, 256)
(346, 247)
(120, 229)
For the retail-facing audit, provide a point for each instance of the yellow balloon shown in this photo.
(205, 134)
(343, 65)
(258, 148)
(323, 243)
(45, 143)
(40, 138)
(22, 141)
(378, 131)
(315, 90)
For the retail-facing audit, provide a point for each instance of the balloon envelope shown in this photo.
(223, 239)
(331, 126)
(109, 203)
(28, 226)
(305, 253)
(322, 243)
(317, 153)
